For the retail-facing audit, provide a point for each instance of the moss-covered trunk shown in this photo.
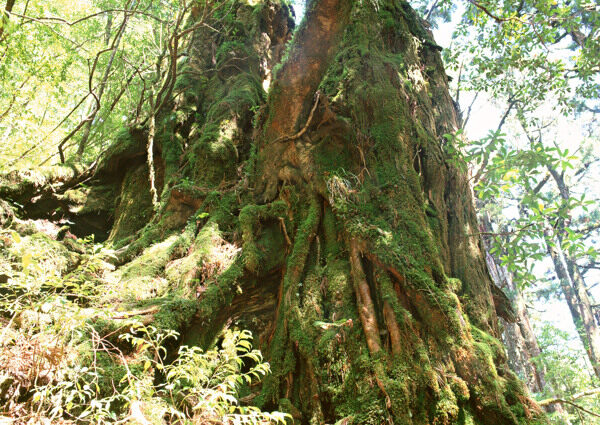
(326, 217)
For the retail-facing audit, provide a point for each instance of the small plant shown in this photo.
(206, 385)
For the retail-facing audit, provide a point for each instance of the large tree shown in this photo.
(324, 214)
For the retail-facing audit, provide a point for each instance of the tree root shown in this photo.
(288, 309)
(392, 327)
(366, 308)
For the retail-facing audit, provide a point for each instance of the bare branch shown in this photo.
(58, 20)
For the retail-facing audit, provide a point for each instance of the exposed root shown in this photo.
(288, 308)
(366, 308)
(392, 327)
(285, 233)
(306, 234)
(389, 314)
(366, 311)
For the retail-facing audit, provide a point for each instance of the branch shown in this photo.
(509, 233)
(466, 120)
(588, 229)
(487, 12)
(582, 394)
(44, 19)
(511, 103)
(433, 7)
(49, 27)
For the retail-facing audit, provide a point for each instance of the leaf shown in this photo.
(26, 261)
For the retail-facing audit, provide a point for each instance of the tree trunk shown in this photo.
(519, 339)
(324, 217)
(4, 16)
(579, 304)
(91, 118)
(572, 282)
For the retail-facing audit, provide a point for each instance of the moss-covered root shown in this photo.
(364, 300)
(250, 218)
(368, 317)
(290, 327)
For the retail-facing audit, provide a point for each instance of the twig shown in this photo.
(498, 19)
(512, 232)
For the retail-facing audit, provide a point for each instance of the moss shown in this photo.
(179, 272)
(21, 185)
(221, 291)
(142, 278)
(445, 370)
(134, 208)
(256, 255)
(176, 314)
(356, 398)
(218, 146)
(47, 261)
(75, 196)
(128, 143)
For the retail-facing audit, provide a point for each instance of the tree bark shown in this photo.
(579, 304)
(518, 336)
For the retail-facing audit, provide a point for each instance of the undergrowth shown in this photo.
(67, 358)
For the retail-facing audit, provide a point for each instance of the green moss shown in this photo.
(142, 278)
(48, 259)
(257, 255)
(134, 208)
(176, 314)
(128, 142)
(216, 148)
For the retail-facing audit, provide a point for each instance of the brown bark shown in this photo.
(366, 308)
(293, 92)
(578, 302)
(377, 219)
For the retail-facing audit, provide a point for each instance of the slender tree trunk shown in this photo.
(520, 341)
(96, 105)
(4, 16)
(519, 337)
(578, 302)
(568, 273)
